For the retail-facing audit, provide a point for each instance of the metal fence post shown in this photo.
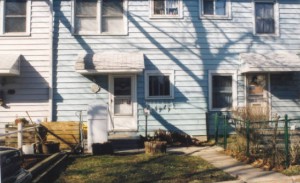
(216, 127)
(286, 141)
(225, 132)
(248, 137)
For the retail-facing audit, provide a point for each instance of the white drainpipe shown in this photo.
(51, 61)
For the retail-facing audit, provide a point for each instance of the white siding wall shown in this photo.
(32, 86)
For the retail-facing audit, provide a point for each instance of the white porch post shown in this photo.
(20, 135)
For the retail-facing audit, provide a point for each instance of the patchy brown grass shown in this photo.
(142, 168)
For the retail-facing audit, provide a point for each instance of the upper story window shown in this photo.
(265, 17)
(100, 17)
(166, 8)
(16, 17)
(159, 85)
(86, 15)
(222, 90)
(215, 9)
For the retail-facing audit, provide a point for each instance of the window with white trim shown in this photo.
(166, 8)
(265, 17)
(16, 17)
(222, 90)
(215, 9)
(159, 84)
(100, 17)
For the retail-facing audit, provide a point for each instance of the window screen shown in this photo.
(166, 7)
(159, 86)
(86, 15)
(15, 16)
(112, 16)
(221, 91)
(264, 17)
(110, 20)
(214, 7)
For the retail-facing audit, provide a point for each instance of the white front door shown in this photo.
(122, 103)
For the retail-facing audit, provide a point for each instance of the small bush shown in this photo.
(171, 137)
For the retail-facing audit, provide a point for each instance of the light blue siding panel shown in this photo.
(190, 46)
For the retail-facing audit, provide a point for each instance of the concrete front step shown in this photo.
(122, 140)
(125, 140)
(123, 135)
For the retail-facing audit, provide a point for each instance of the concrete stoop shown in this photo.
(125, 140)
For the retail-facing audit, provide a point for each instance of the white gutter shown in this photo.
(51, 61)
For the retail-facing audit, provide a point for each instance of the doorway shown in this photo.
(122, 103)
(257, 94)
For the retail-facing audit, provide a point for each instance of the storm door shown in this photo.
(257, 94)
(123, 103)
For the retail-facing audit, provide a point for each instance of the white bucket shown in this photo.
(28, 149)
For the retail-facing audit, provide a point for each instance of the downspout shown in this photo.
(50, 115)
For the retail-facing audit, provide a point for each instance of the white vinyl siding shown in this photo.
(29, 91)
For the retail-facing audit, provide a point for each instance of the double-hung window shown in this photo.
(265, 17)
(100, 17)
(166, 8)
(159, 85)
(222, 90)
(215, 9)
(16, 16)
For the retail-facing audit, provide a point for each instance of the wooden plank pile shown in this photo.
(29, 136)
(68, 131)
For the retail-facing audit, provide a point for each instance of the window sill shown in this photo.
(165, 17)
(15, 35)
(215, 17)
(159, 98)
(266, 35)
(99, 34)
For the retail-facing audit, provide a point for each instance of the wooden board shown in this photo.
(69, 131)
(29, 136)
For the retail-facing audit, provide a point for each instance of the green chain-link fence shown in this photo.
(275, 141)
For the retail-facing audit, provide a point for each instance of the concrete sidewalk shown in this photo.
(244, 172)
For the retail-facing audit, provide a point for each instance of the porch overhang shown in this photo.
(106, 63)
(10, 65)
(271, 62)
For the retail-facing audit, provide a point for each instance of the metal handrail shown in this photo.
(17, 131)
(111, 119)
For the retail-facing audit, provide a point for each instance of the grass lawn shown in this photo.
(141, 168)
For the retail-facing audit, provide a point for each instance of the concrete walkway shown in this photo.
(244, 172)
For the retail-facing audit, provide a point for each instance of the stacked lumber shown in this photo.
(69, 131)
(29, 136)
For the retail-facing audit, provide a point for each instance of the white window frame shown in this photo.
(152, 15)
(233, 74)
(169, 73)
(226, 16)
(276, 17)
(98, 31)
(2, 20)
